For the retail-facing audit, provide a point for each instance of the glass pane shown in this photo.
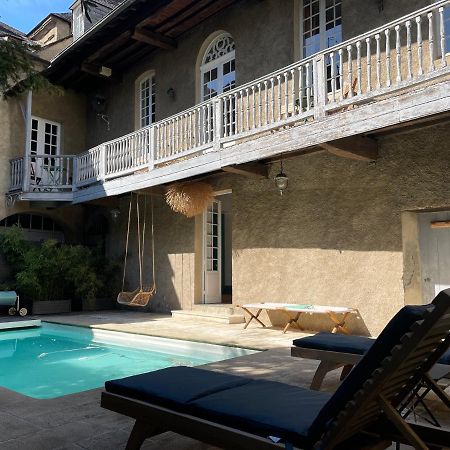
(48, 224)
(23, 220)
(315, 7)
(36, 222)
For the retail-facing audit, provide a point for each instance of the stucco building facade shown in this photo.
(345, 232)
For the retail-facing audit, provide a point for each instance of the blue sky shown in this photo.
(25, 14)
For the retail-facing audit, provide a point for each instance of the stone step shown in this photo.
(217, 309)
(208, 316)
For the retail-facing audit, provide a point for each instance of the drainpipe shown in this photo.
(27, 153)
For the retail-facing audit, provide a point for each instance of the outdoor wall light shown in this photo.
(281, 180)
(171, 93)
(115, 213)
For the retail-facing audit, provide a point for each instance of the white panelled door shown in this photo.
(435, 255)
(45, 140)
(212, 251)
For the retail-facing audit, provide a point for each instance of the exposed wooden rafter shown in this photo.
(249, 170)
(109, 47)
(155, 39)
(166, 12)
(180, 18)
(360, 148)
(199, 17)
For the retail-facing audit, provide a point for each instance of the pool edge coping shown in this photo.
(154, 335)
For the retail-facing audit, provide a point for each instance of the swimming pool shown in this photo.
(55, 360)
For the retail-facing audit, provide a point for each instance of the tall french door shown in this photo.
(45, 140)
(212, 253)
(321, 25)
(321, 28)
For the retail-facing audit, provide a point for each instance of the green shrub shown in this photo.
(51, 271)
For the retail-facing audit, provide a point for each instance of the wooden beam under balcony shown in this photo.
(360, 148)
(257, 170)
(155, 39)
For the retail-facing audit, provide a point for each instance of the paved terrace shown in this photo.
(76, 422)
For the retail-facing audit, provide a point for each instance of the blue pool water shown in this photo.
(55, 360)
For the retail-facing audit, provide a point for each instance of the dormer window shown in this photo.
(78, 22)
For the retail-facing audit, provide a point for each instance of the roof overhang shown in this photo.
(129, 32)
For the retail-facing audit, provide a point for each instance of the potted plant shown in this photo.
(50, 274)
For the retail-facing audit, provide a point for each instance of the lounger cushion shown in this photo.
(266, 408)
(174, 386)
(336, 343)
(380, 349)
(341, 343)
(445, 358)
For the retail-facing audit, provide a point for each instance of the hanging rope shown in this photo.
(153, 250)
(126, 245)
(142, 295)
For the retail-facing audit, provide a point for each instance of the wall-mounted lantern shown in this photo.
(281, 180)
(115, 214)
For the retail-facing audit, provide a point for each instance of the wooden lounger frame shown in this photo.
(330, 360)
(374, 404)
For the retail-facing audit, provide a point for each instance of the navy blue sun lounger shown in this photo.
(241, 413)
(340, 350)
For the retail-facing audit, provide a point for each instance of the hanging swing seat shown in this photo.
(141, 296)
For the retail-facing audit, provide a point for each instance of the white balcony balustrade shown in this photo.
(38, 174)
(381, 63)
(16, 174)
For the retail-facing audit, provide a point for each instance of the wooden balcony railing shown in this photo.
(383, 62)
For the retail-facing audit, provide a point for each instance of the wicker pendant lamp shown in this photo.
(189, 199)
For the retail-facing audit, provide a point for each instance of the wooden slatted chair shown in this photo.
(240, 413)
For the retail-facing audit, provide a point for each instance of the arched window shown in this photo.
(145, 100)
(35, 226)
(218, 71)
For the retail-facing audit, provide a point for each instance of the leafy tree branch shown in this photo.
(18, 72)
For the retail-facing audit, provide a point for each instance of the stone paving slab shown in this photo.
(254, 336)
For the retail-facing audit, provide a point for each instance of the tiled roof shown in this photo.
(67, 16)
(110, 3)
(6, 30)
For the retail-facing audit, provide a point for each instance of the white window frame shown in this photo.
(41, 136)
(78, 22)
(322, 27)
(215, 64)
(139, 110)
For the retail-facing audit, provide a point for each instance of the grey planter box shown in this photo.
(52, 307)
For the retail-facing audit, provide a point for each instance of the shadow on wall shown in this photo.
(174, 255)
(338, 204)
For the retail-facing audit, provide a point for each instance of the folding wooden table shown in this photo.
(337, 314)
